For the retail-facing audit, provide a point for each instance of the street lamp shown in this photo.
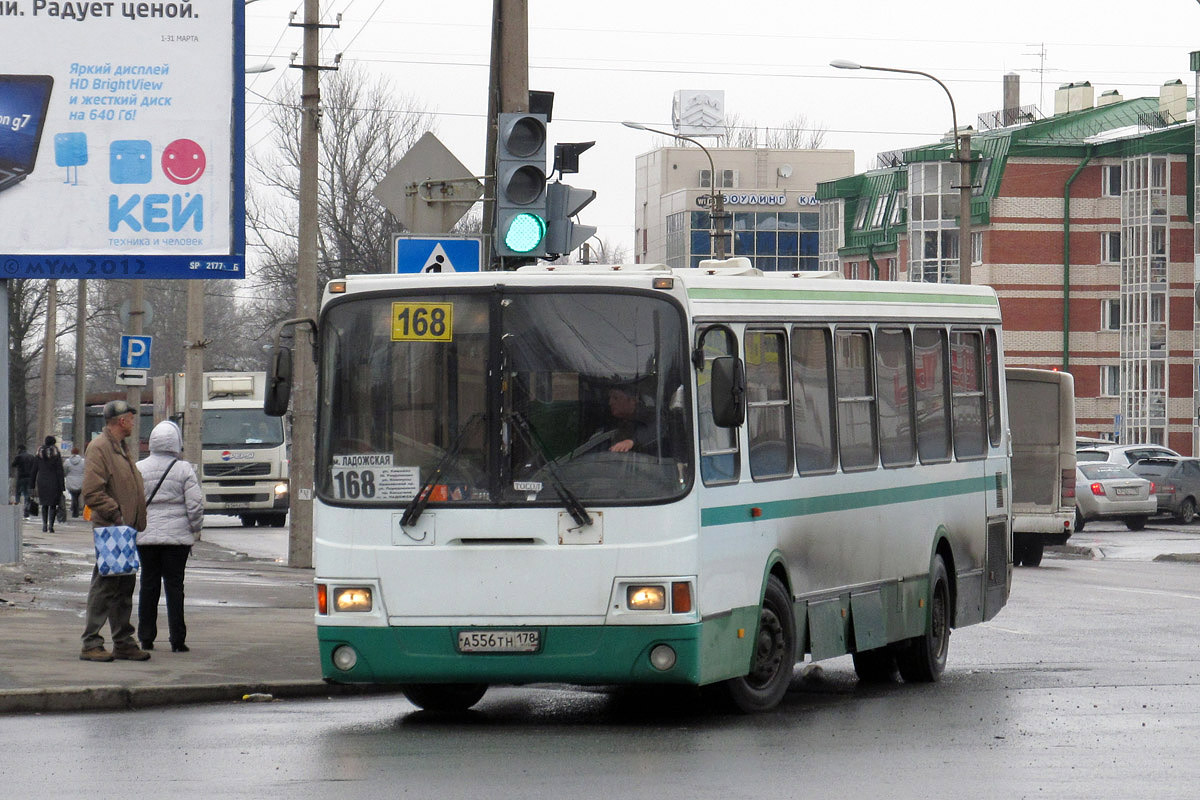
(962, 154)
(718, 248)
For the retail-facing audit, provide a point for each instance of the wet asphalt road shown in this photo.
(1086, 685)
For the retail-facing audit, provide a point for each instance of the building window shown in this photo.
(830, 232)
(676, 242)
(932, 222)
(1110, 314)
(1110, 179)
(1110, 381)
(880, 210)
(787, 241)
(864, 208)
(1110, 247)
(977, 247)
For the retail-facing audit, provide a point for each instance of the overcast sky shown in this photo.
(617, 60)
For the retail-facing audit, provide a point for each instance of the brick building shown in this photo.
(1083, 223)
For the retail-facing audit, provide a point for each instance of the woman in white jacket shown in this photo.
(174, 518)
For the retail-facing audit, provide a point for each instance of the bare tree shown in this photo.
(26, 322)
(606, 251)
(794, 134)
(365, 128)
(230, 324)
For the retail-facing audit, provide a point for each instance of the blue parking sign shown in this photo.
(135, 352)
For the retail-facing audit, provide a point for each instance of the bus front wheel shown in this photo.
(922, 658)
(445, 696)
(774, 654)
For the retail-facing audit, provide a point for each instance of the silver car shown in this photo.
(1110, 491)
(1123, 454)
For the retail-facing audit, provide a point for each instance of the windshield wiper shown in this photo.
(412, 512)
(568, 498)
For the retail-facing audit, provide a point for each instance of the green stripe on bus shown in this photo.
(844, 296)
(804, 506)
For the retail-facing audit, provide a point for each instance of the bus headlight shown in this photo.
(280, 489)
(646, 598)
(353, 598)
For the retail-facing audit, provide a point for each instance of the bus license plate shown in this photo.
(499, 641)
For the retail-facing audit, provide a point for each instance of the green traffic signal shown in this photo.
(525, 232)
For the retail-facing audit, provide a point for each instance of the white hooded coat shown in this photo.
(176, 515)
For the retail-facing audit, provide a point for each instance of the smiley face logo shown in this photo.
(183, 161)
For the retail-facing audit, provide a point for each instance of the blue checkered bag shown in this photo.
(116, 550)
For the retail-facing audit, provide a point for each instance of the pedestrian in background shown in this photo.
(25, 464)
(50, 481)
(73, 467)
(174, 518)
(112, 486)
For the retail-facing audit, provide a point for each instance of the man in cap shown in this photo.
(113, 489)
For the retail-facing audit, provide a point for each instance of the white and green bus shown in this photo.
(638, 475)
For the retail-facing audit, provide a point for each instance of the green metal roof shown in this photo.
(1061, 136)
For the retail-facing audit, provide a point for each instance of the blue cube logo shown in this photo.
(129, 161)
(70, 149)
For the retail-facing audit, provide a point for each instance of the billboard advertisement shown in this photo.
(121, 139)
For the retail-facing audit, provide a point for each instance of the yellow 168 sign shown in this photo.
(422, 322)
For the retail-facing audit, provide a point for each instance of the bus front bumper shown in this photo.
(613, 654)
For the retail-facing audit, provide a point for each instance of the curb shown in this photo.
(127, 698)
(1182, 558)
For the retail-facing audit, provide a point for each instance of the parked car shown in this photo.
(1176, 484)
(1111, 491)
(1124, 454)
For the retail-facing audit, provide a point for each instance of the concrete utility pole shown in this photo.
(304, 400)
(79, 423)
(193, 419)
(133, 395)
(49, 363)
(508, 90)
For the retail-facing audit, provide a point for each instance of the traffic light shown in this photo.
(520, 225)
(563, 234)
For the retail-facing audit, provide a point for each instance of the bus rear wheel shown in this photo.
(774, 654)
(923, 658)
(445, 696)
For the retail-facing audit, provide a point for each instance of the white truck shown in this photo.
(244, 469)
(1041, 413)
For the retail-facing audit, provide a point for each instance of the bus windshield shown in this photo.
(519, 397)
(240, 427)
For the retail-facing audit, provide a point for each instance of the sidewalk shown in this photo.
(250, 630)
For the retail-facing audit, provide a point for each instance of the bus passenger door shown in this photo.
(998, 567)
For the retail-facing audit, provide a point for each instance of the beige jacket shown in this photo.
(112, 484)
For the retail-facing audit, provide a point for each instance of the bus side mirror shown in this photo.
(279, 382)
(728, 384)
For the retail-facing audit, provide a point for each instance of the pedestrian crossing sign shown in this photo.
(430, 254)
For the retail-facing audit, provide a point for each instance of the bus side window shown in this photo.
(932, 394)
(893, 362)
(856, 400)
(813, 400)
(768, 423)
(966, 382)
(719, 461)
(991, 357)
